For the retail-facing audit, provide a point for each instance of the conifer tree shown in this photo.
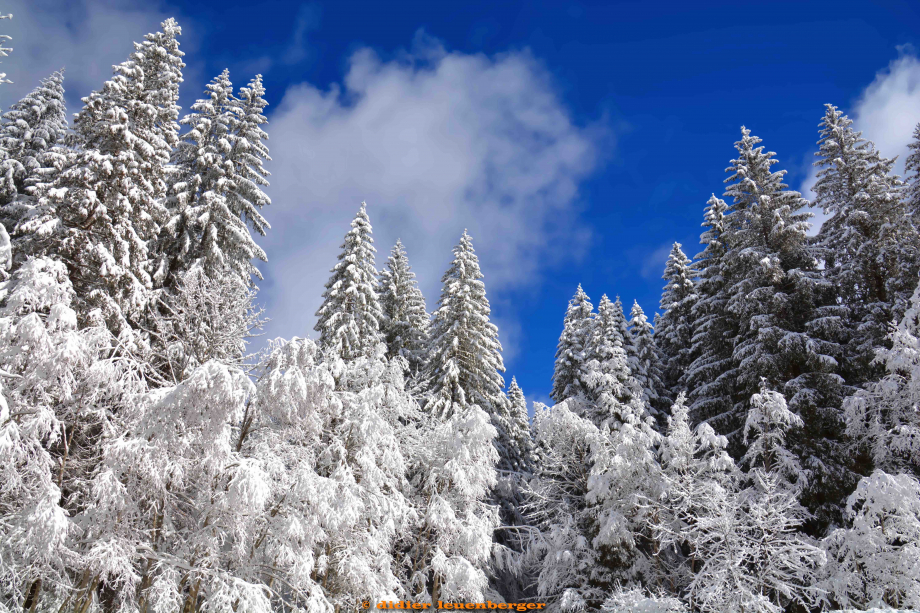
(248, 153)
(203, 228)
(109, 200)
(30, 132)
(869, 244)
(612, 390)
(882, 418)
(571, 352)
(674, 327)
(912, 170)
(632, 356)
(709, 378)
(774, 289)
(406, 319)
(520, 441)
(648, 358)
(465, 360)
(350, 316)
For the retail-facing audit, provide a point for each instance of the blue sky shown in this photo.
(575, 140)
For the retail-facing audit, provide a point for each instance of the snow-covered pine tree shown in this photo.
(912, 172)
(674, 327)
(350, 317)
(622, 324)
(520, 445)
(568, 375)
(709, 378)
(109, 200)
(882, 418)
(30, 132)
(203, 229)
(406, 318)
(648, 359)
(775, 290)
(869, 244)
(248, 153)
(611, 388)
(465, 360)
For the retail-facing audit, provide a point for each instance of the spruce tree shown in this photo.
(674, 327)
(912, 170)
(869, 244)
(29, 134)
(406, 319)
(710, 375)
(571, 351)
(648, 374)
(774, 289)
(520, 457)
(632, 356)
(612, 390)
(203, 228)
(350, 316)
(465, 359)
(248, 153)
(110, 199)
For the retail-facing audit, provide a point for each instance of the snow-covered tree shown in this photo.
(110, 199)
(29, 134)
(465, 360)
(875, 561)
(774, 290)
(648, 360)
(350, 317)
(912, 170)
(203, 228)
(61, 388)
(406, 324)
(451, 544)
(869, 244)
(571, 352)
(632, 356)
(205, 318)
(248, 153)
(519, 437)
(611, 391)
(709, 376)
(883, 418)
(693, 463)
(559, 554)
(753, 556)
(674, 327)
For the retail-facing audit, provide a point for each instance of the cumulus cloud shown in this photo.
(86, 37)
(435, 142)
(886, 113)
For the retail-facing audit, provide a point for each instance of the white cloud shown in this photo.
(435, 142)
(886, 113)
